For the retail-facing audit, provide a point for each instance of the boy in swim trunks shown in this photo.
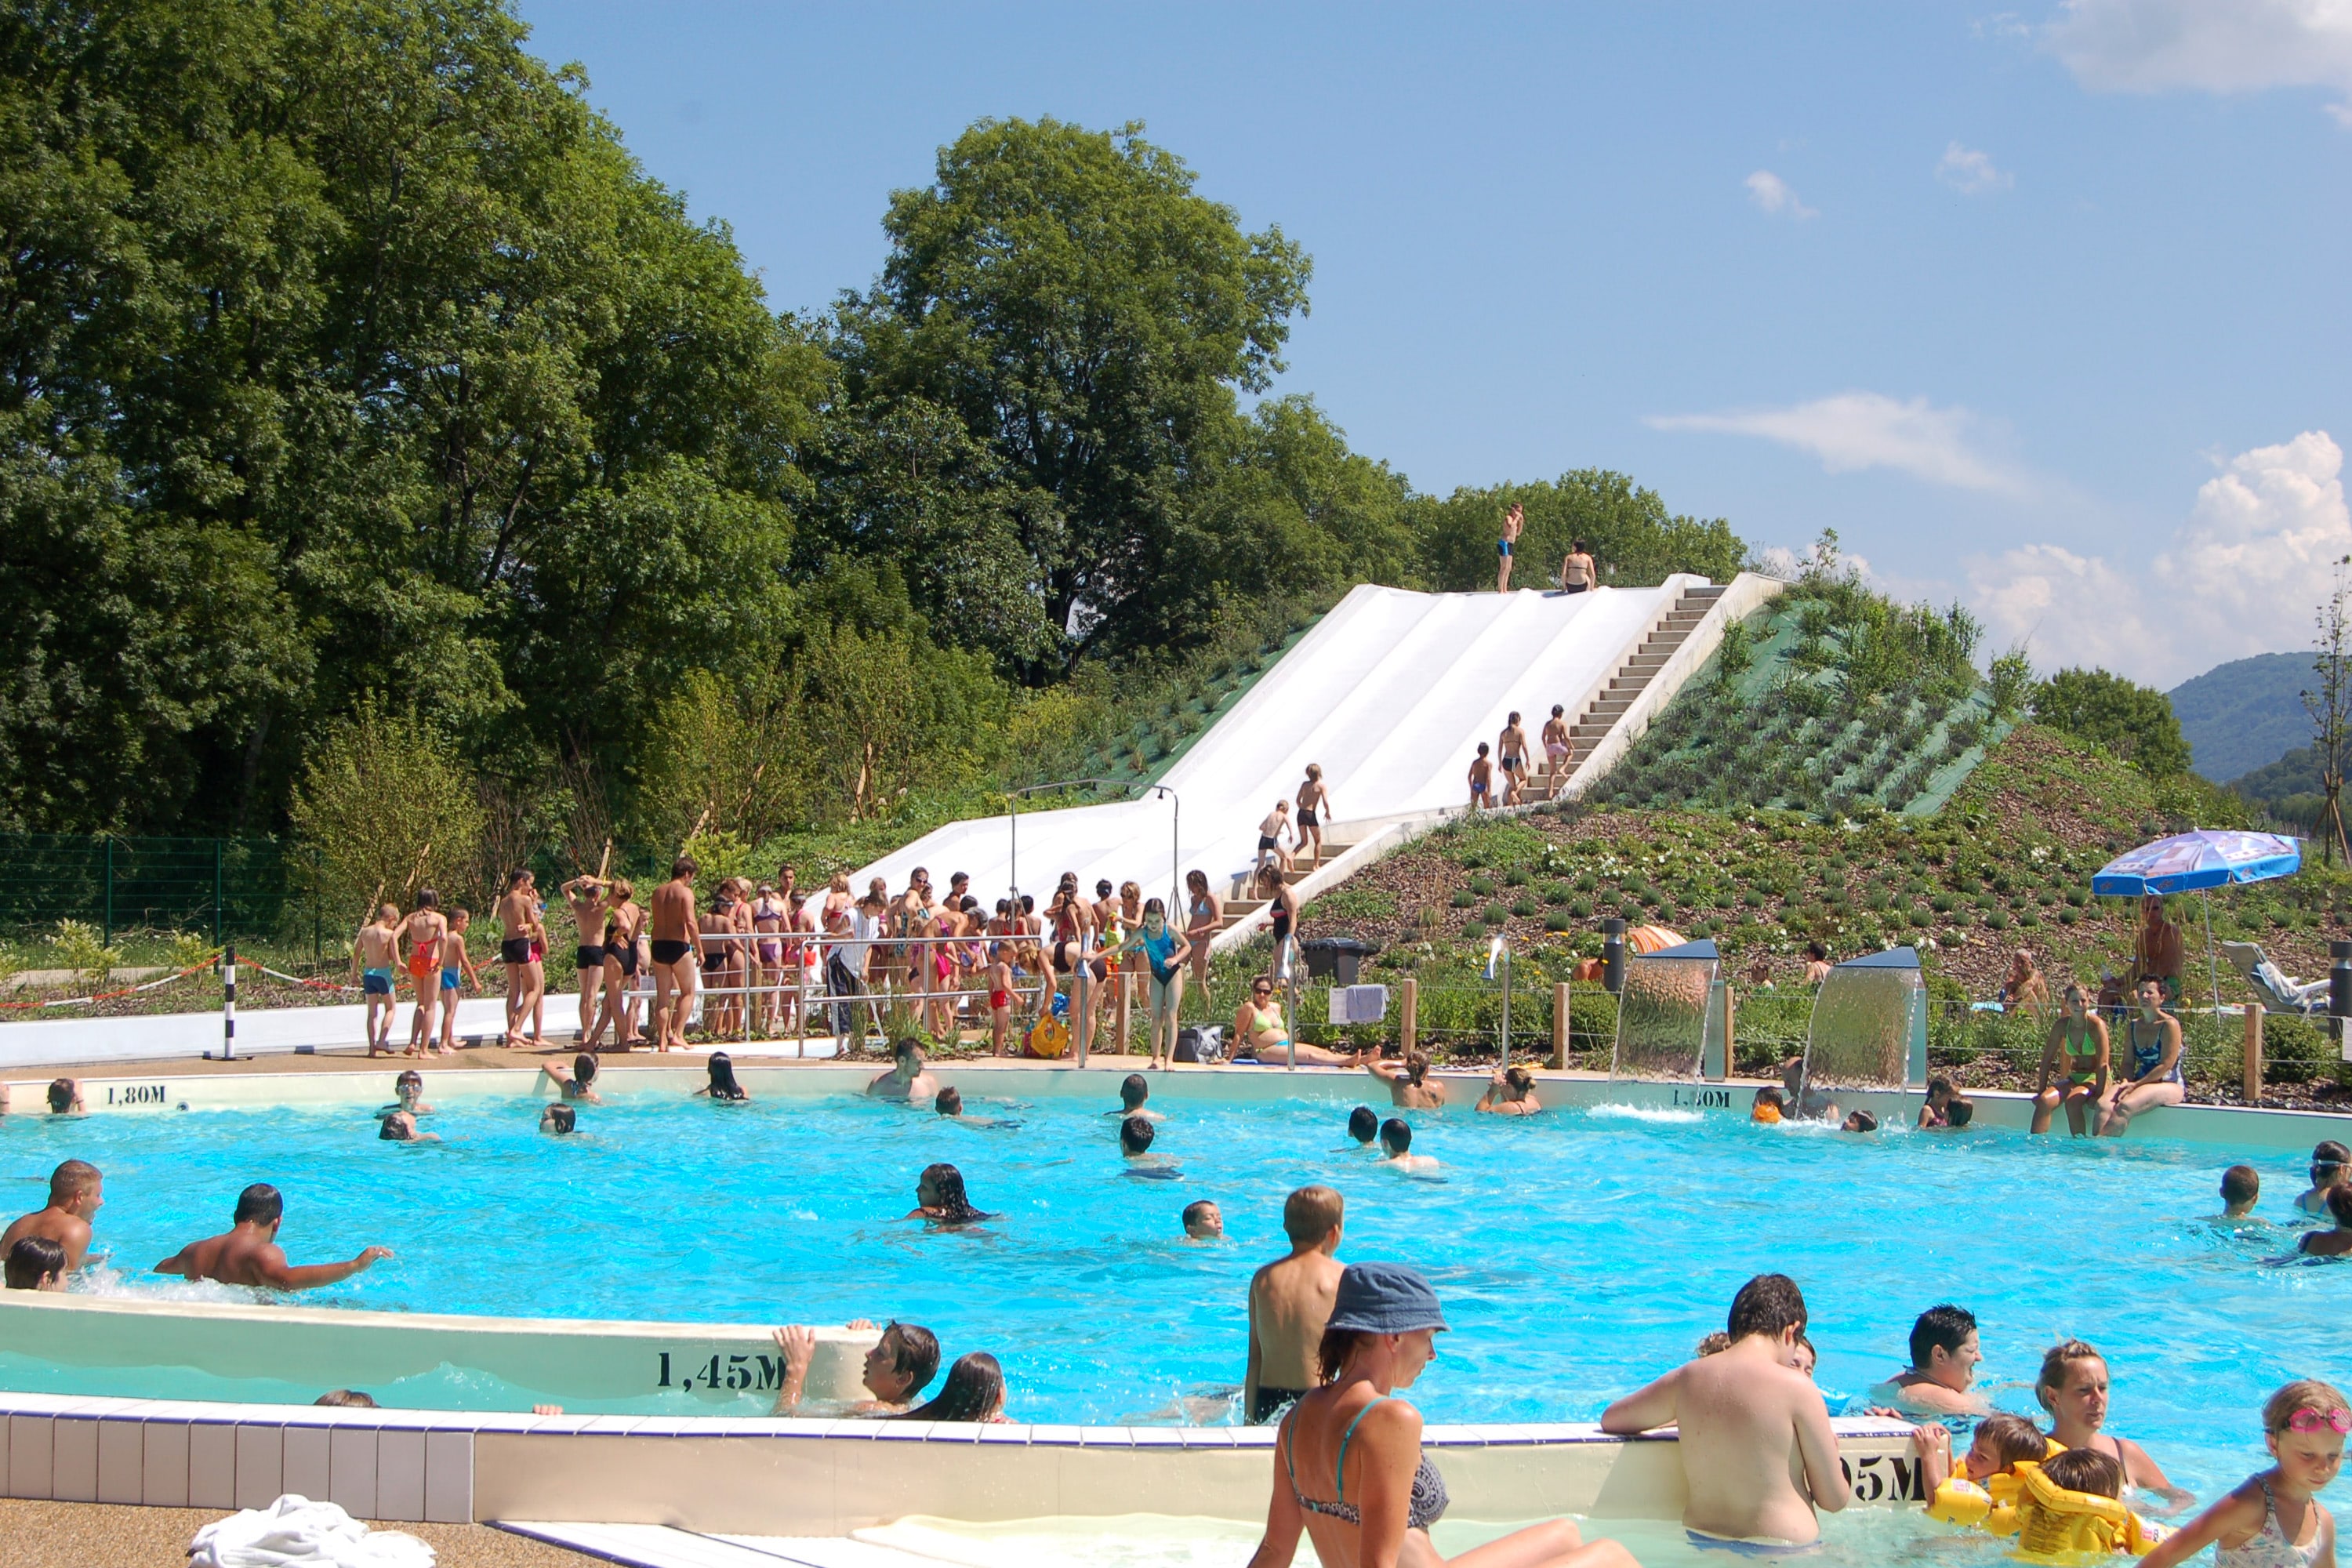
(1289, 1301)
(1751, 1425)
(375, 951)
(1514, 520)
(456, 967)
(1482, 780)
(585, 895)
(1000, 996)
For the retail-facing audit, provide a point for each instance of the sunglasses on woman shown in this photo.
(2338, 1421)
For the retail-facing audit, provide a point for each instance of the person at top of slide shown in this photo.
(1270, 834)
(1314, 801)
(375, 952)
(1511, 745)
(1578, 574)
(1559, 746)
(1515, 518)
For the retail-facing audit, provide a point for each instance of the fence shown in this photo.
(221, 887)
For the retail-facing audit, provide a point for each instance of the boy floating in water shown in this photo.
(1751, 1425)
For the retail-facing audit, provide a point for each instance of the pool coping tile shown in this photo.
(1055, 1437)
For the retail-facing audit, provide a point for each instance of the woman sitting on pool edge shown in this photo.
(1261, 1032)
(2154, 1037)
(939, 1198)
(1380, 1334)
(2074, 1065)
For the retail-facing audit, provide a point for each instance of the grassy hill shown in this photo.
(2245, 714)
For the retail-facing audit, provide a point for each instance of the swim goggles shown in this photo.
(2338, 1420)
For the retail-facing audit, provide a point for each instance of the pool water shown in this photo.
(1578, 1253)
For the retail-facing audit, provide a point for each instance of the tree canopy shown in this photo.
(2135, 722)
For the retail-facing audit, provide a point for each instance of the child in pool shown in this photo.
(2241, 1188)
(2074, 1387)
(2329, 1162)
(1981, 1491)
(2071, 1506)
(1766, 1106)
(2331, 1243)
(2274, 1520)
(1936, 1112)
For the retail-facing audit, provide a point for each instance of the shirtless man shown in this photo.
(247, 1253)
(77, 1192)
(422, 934)
(1409, 1085)
(375, 954)
(1559, 746)
(1756, 1451)
(1511, 745)
(1313, 804)
(2158, 953)
(1289, 1302)
(898, 1366)
(1944, 1359)
(1577, 573)
(585, 895)
(1514, 520)
(1482, 780)
(674, 960)
(519, 921)
(907, 1079)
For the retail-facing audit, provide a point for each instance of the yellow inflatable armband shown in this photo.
(2059, 1526)
(1991, 1506)
(1048, 1038)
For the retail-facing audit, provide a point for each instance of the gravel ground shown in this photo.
(103, 1535)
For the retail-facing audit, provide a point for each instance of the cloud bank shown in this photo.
(2211, 45)
(2243, 575)
(1857, 430)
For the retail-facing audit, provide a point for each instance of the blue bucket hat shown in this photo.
(1384, 1298)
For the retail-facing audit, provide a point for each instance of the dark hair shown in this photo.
(2328, 1151)
(62, 1095)
(391, 1127)
(947, 1186)
(1770, 1095)
(33, 1260)
(1135, 1134)
(427, 897)
(1154, 907)
(1860, 1121)
(1395, 1134)
(906, 1046)
(1331, 1351)
(1028, 903)
(1814, 950)
(407, 1076)
(1133, 1091)
(584, 1068)
(1364, 1124)
(974, 1391)
(565, 1118)
(2012, 1438)
(914, 1355)
(1416, 1068)
(1960, 1112)
(1941, 1327)
(1482, 748)
(2085, 1471)
(2339, 1205)
(349, 1398)
(722, 1077)
(683, 866)
(1195, 1209)
(1937, 1086)
(261, 1202)
(71, 1179)
(1768, 1304)
(2241, 1183)
(948, 1102)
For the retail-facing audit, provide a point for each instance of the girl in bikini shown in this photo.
(1204, 917)
(2073, 1066)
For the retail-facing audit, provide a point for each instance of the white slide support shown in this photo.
(1390, 694)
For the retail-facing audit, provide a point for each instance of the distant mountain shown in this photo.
(2288, 789)
(2245, 714)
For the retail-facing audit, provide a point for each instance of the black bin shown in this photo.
(1337, 958)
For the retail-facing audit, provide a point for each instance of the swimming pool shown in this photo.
(1578, 1252)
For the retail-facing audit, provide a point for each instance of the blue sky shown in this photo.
(2042, 308)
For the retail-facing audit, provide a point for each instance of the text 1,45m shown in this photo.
(724, 1373)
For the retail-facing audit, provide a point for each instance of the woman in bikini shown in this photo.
(1348, 1470)
(2154, 1037)
(2073, 1066)
(768, 913)
(1203, 918)
(1260, 1030)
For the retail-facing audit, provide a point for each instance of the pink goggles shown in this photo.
(2338, 1421)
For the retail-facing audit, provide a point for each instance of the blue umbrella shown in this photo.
(2194, 862)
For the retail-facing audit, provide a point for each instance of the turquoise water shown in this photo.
(1578, 1252)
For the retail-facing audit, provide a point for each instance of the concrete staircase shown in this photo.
(1672, 630)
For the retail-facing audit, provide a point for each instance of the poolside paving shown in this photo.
(104, 1535)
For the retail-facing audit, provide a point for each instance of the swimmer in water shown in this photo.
(1510, 1092)
(939, 1198)
(897, 1368)
(2330, 1162)
(722, 1089)
(907, 1079)
(1203, 1221)
(247, 1253)
(65, 1098)
(2334, 1243)
(400, 1127)
(2073, 1388)
(577, 1081)
(2241, 1189)
(1363, 1126)
(1858, 1121)
(557, 1120)
(1396, 1149)
(1409, 1084)
(1135, 1135)
(1945, 1356)
(948, 1103)
(1132, 1093)
(33, 1263)
(77, 1192)
(408, 1094)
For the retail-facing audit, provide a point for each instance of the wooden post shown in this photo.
(2253, 1084)
(1730, 1012)
(1126, 996)
(1409, 1024)
(1559, 1024)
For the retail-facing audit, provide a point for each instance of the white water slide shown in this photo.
(1390, 694)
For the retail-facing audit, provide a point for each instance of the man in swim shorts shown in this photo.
(899, 1367)
(1289, 1301)
(1751, 1424)
(675, 967)
(1944, 1360)
(77, 1192)
(247, 1253)
(1514, 520)
(375, 951)
(585, 896)
(907, 1079)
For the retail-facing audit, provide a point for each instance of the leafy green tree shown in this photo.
(2134, 722)
(389, 807)
(1288, 508)
(1634, 538)
(1089, 318)
(730, 759)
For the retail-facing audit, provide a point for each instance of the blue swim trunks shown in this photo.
(1767, 1549)
(376, 982)
(448, 980)
(1504, 546)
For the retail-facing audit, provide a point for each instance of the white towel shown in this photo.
(295, 1532)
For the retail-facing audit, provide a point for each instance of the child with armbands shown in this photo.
(2274, 1520)
(2071, 1509)
(1983, 1491)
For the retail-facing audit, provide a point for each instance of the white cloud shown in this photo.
(2242, 575)
(1971, 173)
(1770, 192)
(1855, 430)
(2211, 46)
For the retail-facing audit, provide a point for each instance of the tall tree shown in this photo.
(1089, 318)
(2135, 722)
(2330, 707)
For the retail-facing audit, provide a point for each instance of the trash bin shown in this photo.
(1337, 958)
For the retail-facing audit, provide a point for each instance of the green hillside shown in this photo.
(2245, 714)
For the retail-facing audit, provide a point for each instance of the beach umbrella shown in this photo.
(2196, 862)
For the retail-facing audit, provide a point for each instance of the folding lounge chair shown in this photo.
(2278, 993)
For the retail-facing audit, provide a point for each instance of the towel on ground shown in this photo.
(295, 1532)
